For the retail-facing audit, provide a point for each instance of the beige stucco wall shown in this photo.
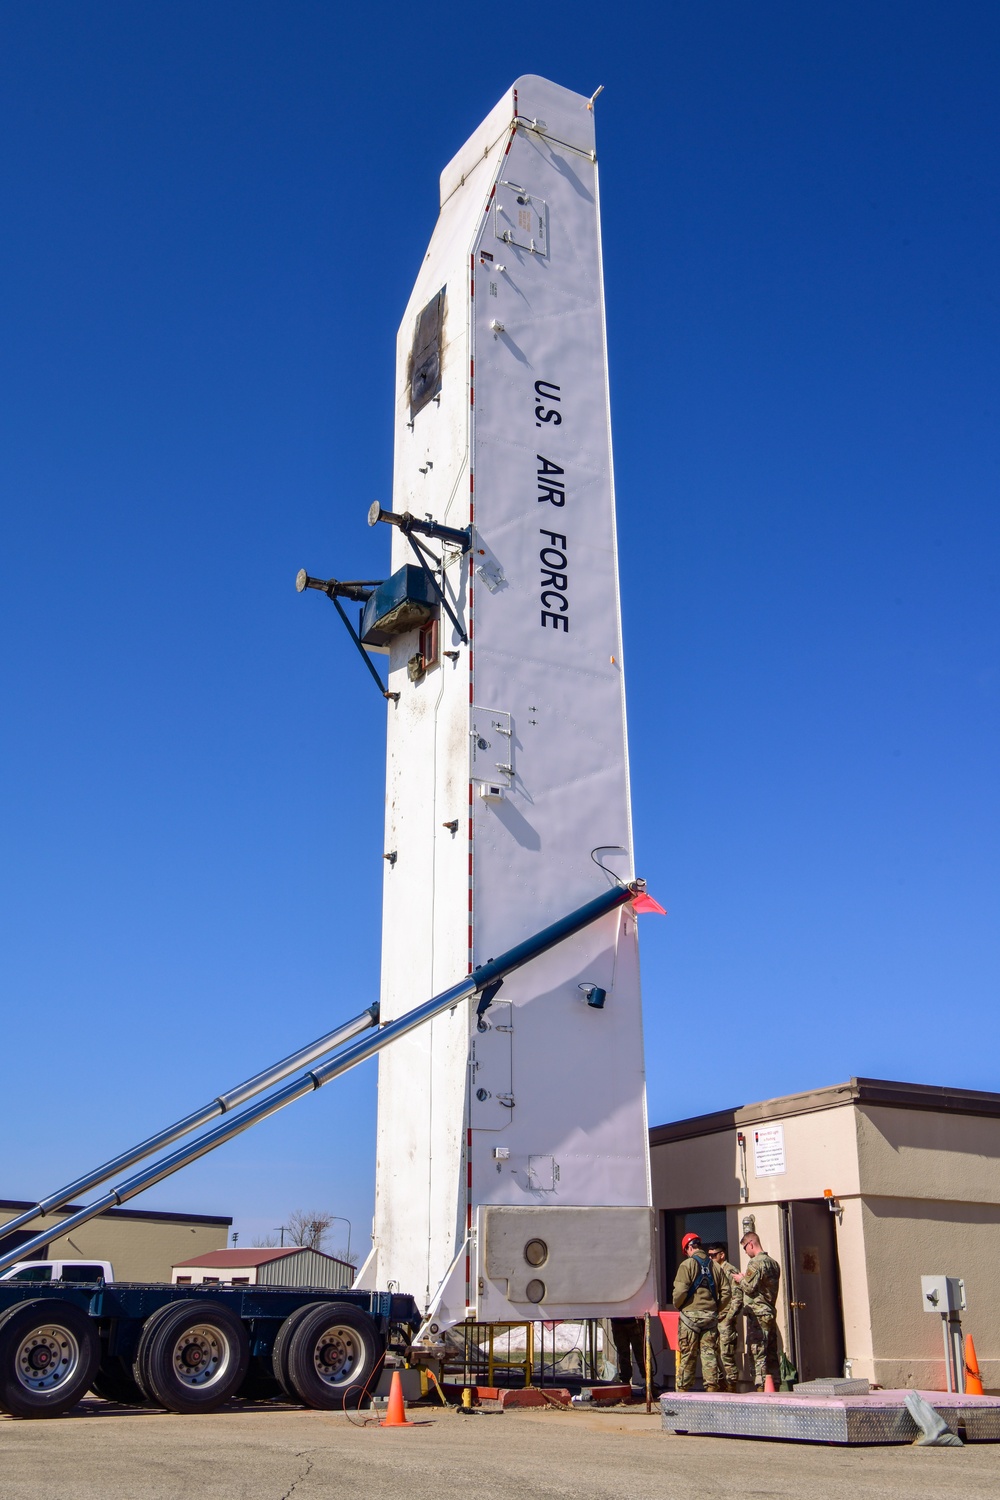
(820, 1152)
(698, 1173)
(906, 1238)
(849, 1233)
(922, 1154)
(139, 1249)
(931, 1189)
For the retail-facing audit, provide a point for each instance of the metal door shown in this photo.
(814, 1291)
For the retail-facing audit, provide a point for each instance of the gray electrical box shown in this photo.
(942, 1294)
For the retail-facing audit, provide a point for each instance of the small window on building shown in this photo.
(428, 644)
(183, 1281)
(241, 1281)
(426, 655)
(210, 1281)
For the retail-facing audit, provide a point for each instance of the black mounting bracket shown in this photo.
(359, 589)
(410, 526)
(409, 523)
(487, 995)
(422, 554)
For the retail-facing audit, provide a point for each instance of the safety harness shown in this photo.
(706, 1279)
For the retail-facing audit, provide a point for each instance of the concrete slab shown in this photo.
(263, 1452)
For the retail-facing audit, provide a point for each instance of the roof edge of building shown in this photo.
(254, 1256)
(883, 1091)
(18, 1205)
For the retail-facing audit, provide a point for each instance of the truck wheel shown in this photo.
(334, 1356)
(114, 1381)
(49, 1351)
(139, 1374)
(192, 1356)
(282, 1343)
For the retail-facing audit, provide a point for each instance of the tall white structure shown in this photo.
(513, 1174)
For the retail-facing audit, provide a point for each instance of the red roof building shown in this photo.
(292, 1265)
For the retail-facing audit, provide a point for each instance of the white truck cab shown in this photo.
(60, 1270)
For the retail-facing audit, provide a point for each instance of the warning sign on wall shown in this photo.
(769, 1151)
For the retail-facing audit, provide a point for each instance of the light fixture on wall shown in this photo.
(834, 1204)
(594, 995)
(741, 1145)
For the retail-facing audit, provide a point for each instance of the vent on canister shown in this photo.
(535, 1290)
(536, 1252)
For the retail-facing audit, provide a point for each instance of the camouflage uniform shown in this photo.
(760, 1295)
(728, 1328)
(698, 1325)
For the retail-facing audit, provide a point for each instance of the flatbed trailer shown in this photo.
(192, 1348)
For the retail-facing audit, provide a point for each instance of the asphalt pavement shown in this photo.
(270, 1452)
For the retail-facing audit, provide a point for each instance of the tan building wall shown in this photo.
(140, 1246)
(915, 1171)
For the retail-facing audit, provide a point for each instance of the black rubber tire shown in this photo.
(72, 1342)
(333, 1372)
(169, 1377)
(139, 1374)
(282, 1343)
(114, 1381)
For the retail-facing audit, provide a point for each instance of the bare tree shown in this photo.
(308, 1228)
(265, 1242)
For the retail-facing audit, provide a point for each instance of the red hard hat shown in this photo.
(690, 1239)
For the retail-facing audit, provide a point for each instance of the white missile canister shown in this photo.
(512, 1177)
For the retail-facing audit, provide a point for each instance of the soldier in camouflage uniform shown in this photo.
(700, 1294)
(728, 1325)
(759, 1285)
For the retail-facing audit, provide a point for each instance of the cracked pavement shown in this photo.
(275, 1452)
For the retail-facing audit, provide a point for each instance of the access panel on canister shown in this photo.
(425, 356)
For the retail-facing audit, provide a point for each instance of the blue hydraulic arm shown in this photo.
(220, 1105)
(482, 981)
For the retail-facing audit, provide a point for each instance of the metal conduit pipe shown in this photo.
(220, 1105)
(486, 974)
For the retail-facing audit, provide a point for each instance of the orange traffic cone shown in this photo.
(973, 1381)
(768, 1385)
(395, 1412)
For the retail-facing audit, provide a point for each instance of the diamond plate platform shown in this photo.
(879, 1417)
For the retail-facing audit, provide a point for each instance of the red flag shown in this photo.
(645, 902)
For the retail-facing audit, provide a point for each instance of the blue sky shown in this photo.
(214, 216)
